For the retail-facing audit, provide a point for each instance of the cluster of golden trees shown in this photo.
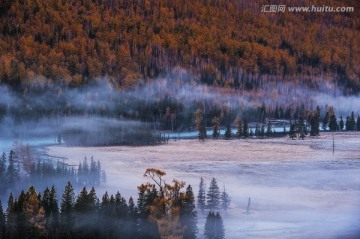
(128, 40)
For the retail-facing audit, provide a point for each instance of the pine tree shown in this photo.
(2, 221)
(106, 216)
(67, 208)
(302, 128)
(50, 205)
(358, 123)
(341, 123)
(314, 122)
(213, 196)
(225, 200)
(93, 201)
(146, 229)
(54, 208)
(219, 227)
(292, 133)
(214, 226)
(268, 129)
(2, 165)
(3, 181)
(228, 132)
(326, 120)
(333, 125)
(10, 219)
(12, 174)
(132, 219)
(188, 216)
(215, 125)
(121, 206)
(200, 124)
(20, 215)
(92, 173)
(201, 198)
(98, 174)
(302, 133)
(239, 127)
(82, 203)
(209, 226)
(262, 131)
(245, 129)
(352, 123)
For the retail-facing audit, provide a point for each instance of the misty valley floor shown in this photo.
(298, 189)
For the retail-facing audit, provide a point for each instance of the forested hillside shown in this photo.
(223, 42)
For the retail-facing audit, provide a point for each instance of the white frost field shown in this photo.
(298, 189)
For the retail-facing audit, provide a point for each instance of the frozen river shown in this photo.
(298, 189)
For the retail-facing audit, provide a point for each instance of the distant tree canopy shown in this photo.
(72, 42)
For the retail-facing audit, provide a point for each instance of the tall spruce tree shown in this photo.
(314, 122)
(352, 122)
(213, 196)
(262, 131)
(50, 205)
(214, 226)
(201, 198)
(333, 124)
(292, 132)
(347, 124)
(245, 129)
(146, 229)
(215, 124)
(224, 200)
(228, 132)
(219, 227)
(188, 216)
(268, 129)
(200, 124)
(341, 123)
(67, 209)
(12, 173)
(132, 219)
(239, 127)
(10, 218)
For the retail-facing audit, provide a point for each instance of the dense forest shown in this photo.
(226, 43)
(23, 167)
(161, 211)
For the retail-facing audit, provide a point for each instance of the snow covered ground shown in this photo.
(298, 189)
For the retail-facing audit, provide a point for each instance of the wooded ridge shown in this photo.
(220, 41)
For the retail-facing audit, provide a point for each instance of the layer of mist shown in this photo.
(97, 110)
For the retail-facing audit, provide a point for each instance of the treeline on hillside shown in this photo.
(20, 168)
(161, 211)
(225, 42)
